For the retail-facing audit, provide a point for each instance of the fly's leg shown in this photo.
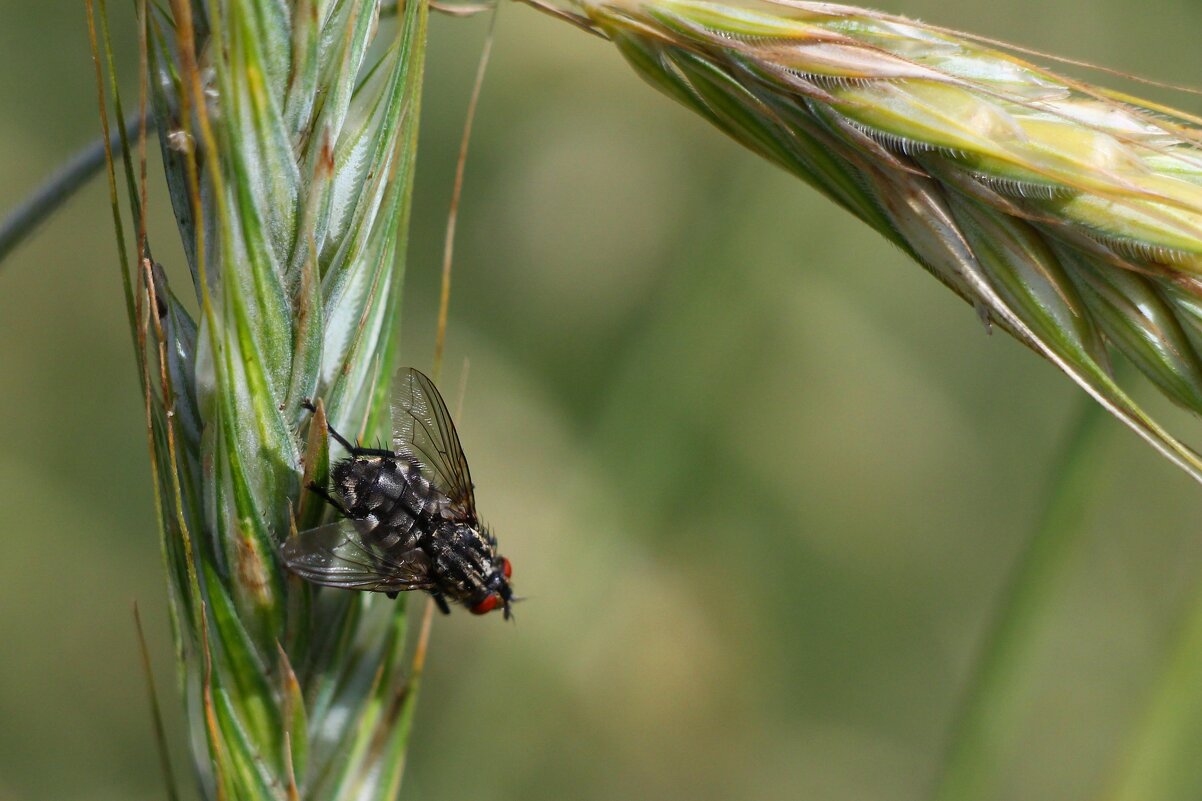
(308, 404)
(441, 603)
(353, 449)
(317, 489)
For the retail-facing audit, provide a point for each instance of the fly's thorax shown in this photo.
(466, 564)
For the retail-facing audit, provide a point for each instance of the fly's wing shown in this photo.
(336, 555)
(423, 431)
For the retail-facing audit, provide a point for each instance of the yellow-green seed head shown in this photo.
(1069, 215)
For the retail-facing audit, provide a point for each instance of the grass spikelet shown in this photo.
(288, 134)
(1068, 215)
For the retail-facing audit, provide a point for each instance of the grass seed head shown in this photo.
(1068, 214)
(288, 138)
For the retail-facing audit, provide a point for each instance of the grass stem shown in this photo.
(23, 220)
(986, 723)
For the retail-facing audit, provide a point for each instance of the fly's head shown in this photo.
(495, 593)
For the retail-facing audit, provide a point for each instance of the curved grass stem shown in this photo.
(986, 723)
(1161, 759)
(23, 220)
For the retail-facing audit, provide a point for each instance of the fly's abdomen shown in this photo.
(388, 498)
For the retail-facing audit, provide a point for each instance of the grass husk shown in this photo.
(288, 136)
(1068, 215)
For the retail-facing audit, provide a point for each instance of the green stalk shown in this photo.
(1161, 760)
(31, 212)
(985, 727)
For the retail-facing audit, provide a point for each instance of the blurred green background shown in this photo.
(760, 477)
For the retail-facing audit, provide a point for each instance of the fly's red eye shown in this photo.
(506, 568)
(487, 605)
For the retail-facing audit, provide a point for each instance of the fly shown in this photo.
(408, 514)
